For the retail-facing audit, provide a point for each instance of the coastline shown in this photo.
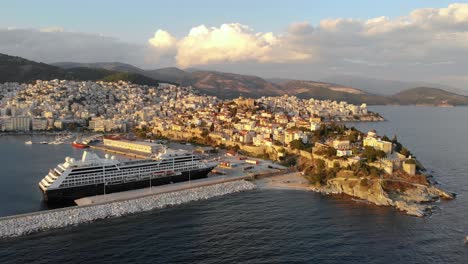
(417, 203)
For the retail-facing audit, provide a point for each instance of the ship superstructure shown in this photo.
(93, 175)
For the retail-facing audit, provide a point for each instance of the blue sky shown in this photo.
(413, 40)
(137, 20)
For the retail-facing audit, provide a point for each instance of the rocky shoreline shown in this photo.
(14, 226)
(416, 201)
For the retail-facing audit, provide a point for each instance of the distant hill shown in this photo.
(230, 85)
(91, 74)
(17, 69)
(170, 74)
(279, 80)
(429, 96)
(328, 91)
(111, 66)
(221, 84)
(384, 87)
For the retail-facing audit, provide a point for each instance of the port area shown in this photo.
(229, 175)
(231, 167)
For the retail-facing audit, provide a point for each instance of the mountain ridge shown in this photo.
(17, 69)
(222, 84)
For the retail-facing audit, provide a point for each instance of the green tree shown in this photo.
(205, 133)
(353, 136)
(297, 144)
(326, 151)
(396, 145)
(371, 154)
(404, 151)
(385, 138)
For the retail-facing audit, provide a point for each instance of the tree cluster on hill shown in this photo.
(398, 147)
(371, 154)
(362, 169)
(326, 151)
(298, 144)
(314, 170)
(353, 135)
(327, 131)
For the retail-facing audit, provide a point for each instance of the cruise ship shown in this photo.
(93, 175)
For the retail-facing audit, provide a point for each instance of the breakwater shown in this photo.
(19, 225)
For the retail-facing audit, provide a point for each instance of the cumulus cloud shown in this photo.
(229, 43)
(163, 41)
(52, 29)
(409, 46)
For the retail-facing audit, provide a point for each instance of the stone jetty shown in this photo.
(19, 225)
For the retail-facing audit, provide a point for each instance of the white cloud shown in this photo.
(162, 40)
(52, 29)
(425, 35)
(230, 43)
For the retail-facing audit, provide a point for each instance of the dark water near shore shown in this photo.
(261, 226)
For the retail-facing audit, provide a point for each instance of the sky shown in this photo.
(399, 40)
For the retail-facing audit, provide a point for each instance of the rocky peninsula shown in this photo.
(414, 199)
(372, 168)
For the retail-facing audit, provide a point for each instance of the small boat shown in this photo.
(29, 142)
(43, 142)
(77, 144)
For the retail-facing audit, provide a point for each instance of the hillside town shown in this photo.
(121, 106)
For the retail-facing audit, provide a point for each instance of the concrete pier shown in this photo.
(138, 193)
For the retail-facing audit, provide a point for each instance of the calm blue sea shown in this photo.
(261, 226)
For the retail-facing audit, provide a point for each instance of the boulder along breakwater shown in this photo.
(13, 226)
